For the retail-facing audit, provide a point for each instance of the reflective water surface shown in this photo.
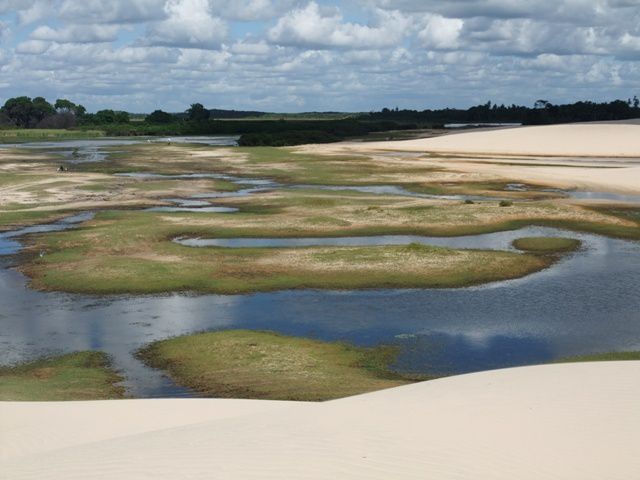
(93, 150)
(587, 303)
(490, 241)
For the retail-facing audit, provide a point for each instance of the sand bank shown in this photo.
(564, 421)
(591, 156)
(573, 140)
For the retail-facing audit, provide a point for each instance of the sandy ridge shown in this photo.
(564, 421)
(567, 156)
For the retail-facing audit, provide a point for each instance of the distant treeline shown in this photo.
(543, 112)
(255, 128)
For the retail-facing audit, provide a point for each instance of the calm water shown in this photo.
(491, 241)
(392, 190)
(94, 150)
(587, 303)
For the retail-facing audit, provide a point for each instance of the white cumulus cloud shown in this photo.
(189, 24)
(313, 26)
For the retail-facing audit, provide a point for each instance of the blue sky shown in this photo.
(290, 55)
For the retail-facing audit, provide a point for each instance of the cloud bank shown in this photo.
(288, 55)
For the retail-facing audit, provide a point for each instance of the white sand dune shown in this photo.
(574, 140)
(561, 422)
(585, 156)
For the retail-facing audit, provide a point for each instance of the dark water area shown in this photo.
(587, 303)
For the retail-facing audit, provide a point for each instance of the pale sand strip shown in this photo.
(574, 140)
(508, 153)
(570, 421)
(625, 179)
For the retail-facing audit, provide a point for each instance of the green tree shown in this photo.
(159, 117)
(19, 111)
(107, 116)
(121, 117)
(63, 105)
(197, 112)
(41, 110)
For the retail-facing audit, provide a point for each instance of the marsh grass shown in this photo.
(547, 244)
(39, 134)
(75, 376)
(267, 365)
(602, 357)
(131, 252)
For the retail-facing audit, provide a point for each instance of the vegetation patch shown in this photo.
(267, 365)
(132, 252)
(547, 244)
(602, 357)
(75, 376)
(22, 135)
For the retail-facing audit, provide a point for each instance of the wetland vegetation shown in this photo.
(275, 194)
(546, 244)
(124, 250)
(267, 365)
(75, 376)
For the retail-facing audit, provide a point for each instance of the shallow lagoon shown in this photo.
(93, 150)
(586, 303)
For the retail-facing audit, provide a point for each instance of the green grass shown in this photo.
(623, 212)
(11, 219)
(75, 376)
(39, 134)
(546, 244)
(131, 252)
(602, 357)
(267, 365)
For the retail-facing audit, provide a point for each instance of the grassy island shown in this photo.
(546, 244)
(75, 376)
(267, 365)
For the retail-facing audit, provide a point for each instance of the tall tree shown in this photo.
(19, 110)
(41, 110)
(159, 117)
(197, 112)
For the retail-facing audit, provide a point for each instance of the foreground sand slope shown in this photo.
(570, 421)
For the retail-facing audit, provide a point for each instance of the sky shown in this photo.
(294, 56)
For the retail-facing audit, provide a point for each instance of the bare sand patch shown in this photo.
(572, 156)
(562, 421)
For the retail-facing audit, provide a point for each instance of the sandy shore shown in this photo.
(591, 156)
(569, 421)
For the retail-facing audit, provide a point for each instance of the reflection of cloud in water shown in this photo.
(440, 353)
(587, 303)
